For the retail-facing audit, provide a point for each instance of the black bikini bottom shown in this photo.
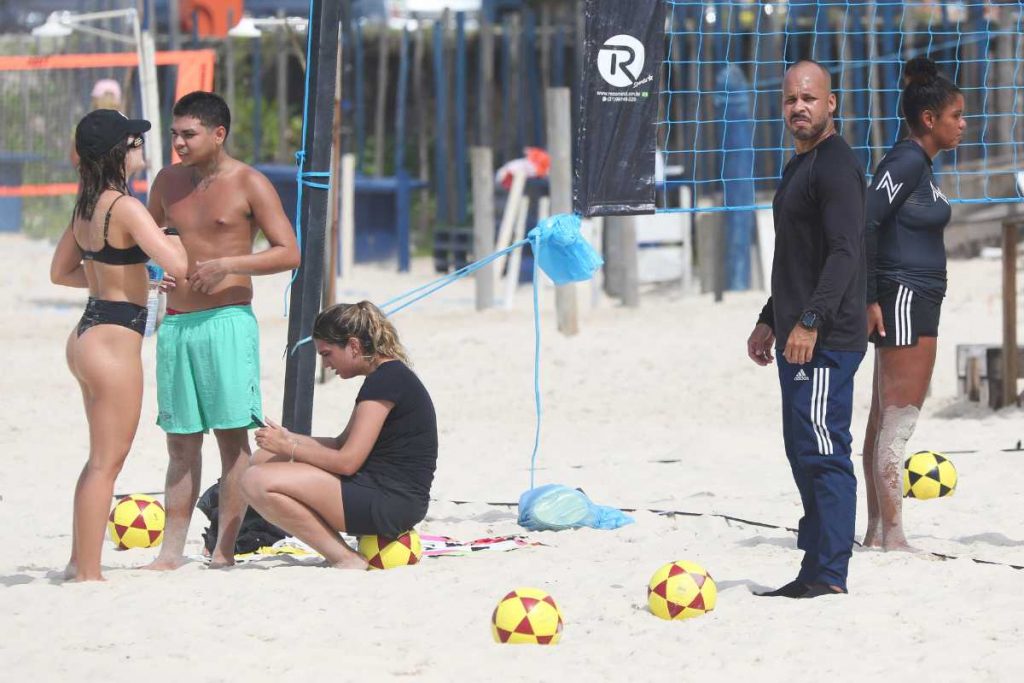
(103, 312)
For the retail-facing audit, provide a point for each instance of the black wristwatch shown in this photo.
(809, 320)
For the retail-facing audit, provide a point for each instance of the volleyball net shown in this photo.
(720, 119)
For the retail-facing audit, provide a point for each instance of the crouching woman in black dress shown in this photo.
(374, 477)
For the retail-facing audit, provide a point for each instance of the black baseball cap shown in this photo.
(100, 130)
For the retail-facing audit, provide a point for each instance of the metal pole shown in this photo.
(300, 370)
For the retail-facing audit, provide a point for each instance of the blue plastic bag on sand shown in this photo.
(562, 251)
(554, 507)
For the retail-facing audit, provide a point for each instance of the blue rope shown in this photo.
(446, 280)
(431, 287)
(400, 303)
(536, 357)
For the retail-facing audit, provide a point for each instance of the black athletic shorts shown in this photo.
(372, 509)
(906, 315)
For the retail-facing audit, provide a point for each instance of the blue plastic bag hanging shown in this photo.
(562, 251)
(554, 507)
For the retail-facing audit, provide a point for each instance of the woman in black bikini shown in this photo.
(105, 249)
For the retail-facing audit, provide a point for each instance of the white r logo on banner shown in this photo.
(621, 60)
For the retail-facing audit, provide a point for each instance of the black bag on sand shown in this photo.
(255, 532)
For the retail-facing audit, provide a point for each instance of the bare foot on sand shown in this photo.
(217, 564)
(71, 574)
(895, 540)
(83, 579)
(873, 535)
(162, 564)
(900, 547)
(348, 562)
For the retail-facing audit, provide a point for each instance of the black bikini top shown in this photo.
(110, 255)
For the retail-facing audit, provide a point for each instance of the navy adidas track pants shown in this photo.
(817, 405)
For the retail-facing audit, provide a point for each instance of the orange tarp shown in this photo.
(195, 67)
(195, 72)
(54, 189)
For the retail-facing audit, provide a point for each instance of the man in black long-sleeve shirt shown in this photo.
(816, 319)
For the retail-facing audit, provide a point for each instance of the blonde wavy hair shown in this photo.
(365, 322)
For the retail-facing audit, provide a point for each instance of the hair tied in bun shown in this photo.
(920, 70)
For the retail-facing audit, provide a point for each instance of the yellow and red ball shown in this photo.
(527, 616)
(383, 552)
(137, 521)
(681, 590)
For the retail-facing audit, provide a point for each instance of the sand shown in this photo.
(652, 408)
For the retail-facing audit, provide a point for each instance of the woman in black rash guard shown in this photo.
(906, 265)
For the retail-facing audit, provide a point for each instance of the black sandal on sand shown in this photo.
(793, 589)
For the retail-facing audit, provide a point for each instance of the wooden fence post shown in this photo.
(1010, 229)
(482, 162)
(559, 136)
(628, 252)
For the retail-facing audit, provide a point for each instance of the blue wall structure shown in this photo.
(733, 106)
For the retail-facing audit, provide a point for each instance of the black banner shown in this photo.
(622, 63)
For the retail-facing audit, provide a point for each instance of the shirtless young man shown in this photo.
(208, 346)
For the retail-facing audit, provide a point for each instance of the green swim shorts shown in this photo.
(208, 371)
